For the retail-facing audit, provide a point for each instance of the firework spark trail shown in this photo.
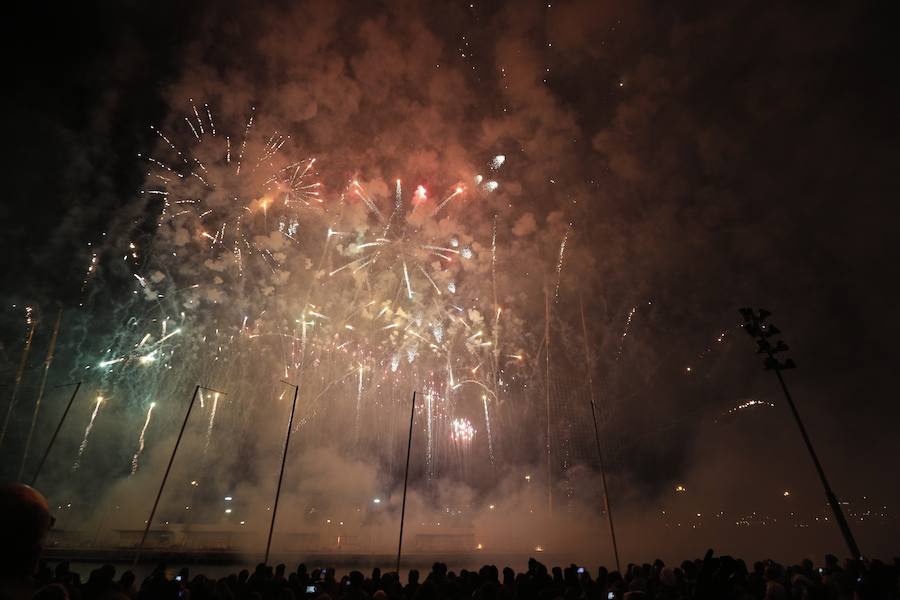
(87, 433)
(409, 290)
(430, 280)
(487, 428)
(497, 311)
(706, 351)
(559, 263)
(621, 344)
(212, 125)
(398, 209)
(140, 448)
(359, 395)
(744, 406)
(462, 432)
(370, 204)
(456, 192)
(429, 445)
(212, 420)
(494, 259)
(88, 275)
(244, 143)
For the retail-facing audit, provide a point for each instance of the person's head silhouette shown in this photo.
(24, 522)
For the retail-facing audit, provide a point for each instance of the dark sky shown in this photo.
(710, 156)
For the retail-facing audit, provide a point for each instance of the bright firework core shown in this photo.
(461, 431)
(255, 274)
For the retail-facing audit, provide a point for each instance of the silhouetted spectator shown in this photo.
(24, 522)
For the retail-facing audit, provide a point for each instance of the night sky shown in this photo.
(709, 157)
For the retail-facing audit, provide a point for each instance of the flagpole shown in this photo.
(287, 441)
(609, 517)
(412, 415)
(55, 433)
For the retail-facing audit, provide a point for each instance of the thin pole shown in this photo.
(829, 493)
(55, 433)
(412, 415)
(162, 484)
(547, 357)
(281, 474)
(18, 380)
(37, 404)
(609, 518)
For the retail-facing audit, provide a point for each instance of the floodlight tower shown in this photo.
(756, 327)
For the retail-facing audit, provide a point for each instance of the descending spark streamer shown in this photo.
(487, 427)
(87, 433)
(706, 351)
(744, 406)
(212, 420)
(140, 448)
(359, 395)
(559, 262)
(370, 204)
(461, 431)
(429, 430)
(88, 275)
(456, 192)
(621, 344)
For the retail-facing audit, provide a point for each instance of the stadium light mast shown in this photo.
(756, 327)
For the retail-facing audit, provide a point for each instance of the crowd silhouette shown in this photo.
(25, 520)
(711, 577)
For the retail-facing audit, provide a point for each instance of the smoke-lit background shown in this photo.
(705, 158)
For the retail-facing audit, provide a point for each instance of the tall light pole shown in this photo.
(756, 327)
